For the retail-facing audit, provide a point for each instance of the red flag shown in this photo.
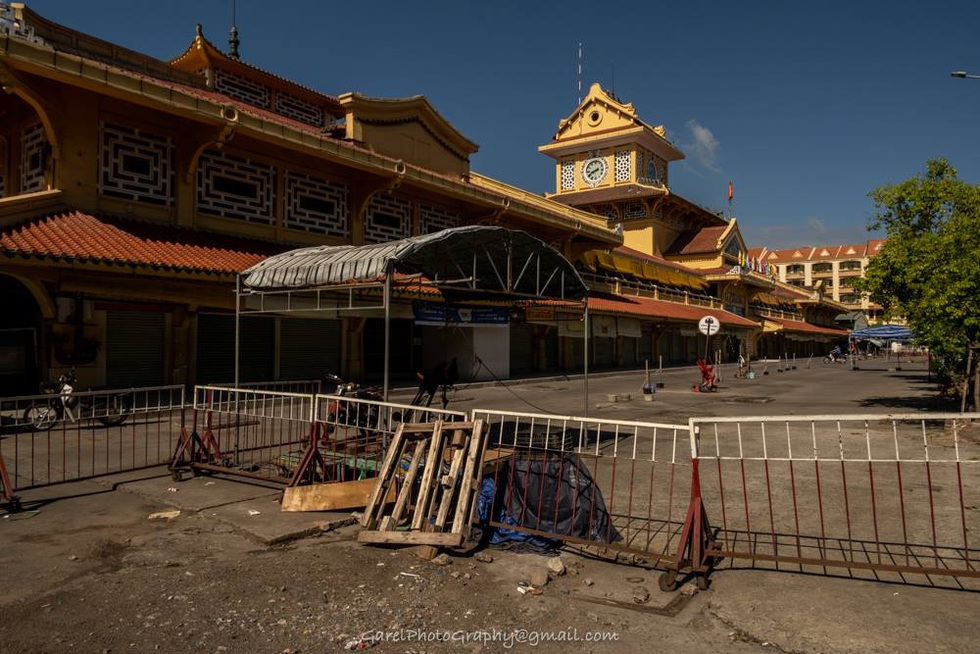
(731, 191)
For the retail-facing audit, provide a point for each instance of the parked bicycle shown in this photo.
(66, 404)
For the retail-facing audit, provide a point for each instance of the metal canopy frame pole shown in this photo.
(586, 362)
(238, 303)
(388, 276)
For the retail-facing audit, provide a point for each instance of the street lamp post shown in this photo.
(962, 74)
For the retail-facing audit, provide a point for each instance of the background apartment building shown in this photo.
(831, 269)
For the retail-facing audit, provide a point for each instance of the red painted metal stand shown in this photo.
(696, 541)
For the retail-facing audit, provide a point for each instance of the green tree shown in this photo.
(929, 268)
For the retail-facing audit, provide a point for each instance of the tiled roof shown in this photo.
(807, 328)
(84, 238)
(652, 258)
(697, 241)
(649, 307)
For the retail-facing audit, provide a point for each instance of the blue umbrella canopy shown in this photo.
(884, 332)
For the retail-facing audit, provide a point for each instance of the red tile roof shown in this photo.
(697, 241)
(642, 306)
(80, 237)
(805, 327)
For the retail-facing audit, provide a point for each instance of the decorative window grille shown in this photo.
(316, 205)
(388, 219)
(623, 166)
(635, 210)
(432, 219)
(32, 148)
(243, 89)
(300, 110)
(236, 187)
(608, 211)
(567, 175)
(136, 165)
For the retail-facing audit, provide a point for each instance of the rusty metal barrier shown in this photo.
(50, 438)
(876, 496)
(290, 438)
(629, 481)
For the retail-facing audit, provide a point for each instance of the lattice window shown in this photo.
(567, 175)
(636, 210)
(136, 165)
(432, 219)
(303, 111)
(32, 154)
(607, 211)
(235, 187)
(388, 219)
(623, 166)
(316, 205)
(243, 89)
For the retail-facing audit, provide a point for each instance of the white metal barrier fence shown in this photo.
(54, 438)
(618, 484)
(881, 496)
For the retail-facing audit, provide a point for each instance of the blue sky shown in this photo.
(806, 107)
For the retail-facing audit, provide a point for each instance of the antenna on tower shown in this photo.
(579, 74)
(233, 41)
(612, 82)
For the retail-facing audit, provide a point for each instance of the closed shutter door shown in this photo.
(216, 349)
(521, 349)
(308, 349)
(134, 348)
(605, 349)
(402, 364)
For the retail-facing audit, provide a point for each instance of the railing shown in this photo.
(50, 438)
(881, 496)
(615, 484)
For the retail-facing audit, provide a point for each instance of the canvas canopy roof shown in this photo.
(884, 332)
(485, 259)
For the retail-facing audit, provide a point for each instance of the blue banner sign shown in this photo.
(441, 314)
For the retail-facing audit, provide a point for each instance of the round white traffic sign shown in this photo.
(709, 325)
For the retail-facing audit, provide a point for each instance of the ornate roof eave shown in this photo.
(201, 53)
(384, 110)
(611, 139)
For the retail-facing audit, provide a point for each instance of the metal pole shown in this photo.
(387, 329)
(238, 300)
(586, 362)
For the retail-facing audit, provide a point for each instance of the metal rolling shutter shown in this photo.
(521, 349)
(309, 349)
(134, 348)
(216, 349)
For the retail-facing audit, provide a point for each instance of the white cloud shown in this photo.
(705, 146)
(816, 226)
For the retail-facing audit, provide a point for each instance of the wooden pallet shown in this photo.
(446, 459)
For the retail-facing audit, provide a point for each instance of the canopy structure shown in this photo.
(473, 262)
(487, 260)
(884, 332)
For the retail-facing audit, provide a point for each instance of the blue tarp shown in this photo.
(884, 332)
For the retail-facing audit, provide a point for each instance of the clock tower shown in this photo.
(610, 162)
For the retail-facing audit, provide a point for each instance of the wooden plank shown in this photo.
(467, 486)
(448, 492)
(408, 485)
(410, 538)
(432, 464)
(332, 496)
(384, 479)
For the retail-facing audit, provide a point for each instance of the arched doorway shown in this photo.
(20, 339)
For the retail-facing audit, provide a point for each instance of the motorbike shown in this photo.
(42, 415)
(835, 358)
(361, 415)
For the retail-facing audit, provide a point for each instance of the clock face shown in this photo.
(653, 173)
(594, 170)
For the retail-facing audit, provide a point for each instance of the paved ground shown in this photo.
(86, 570)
